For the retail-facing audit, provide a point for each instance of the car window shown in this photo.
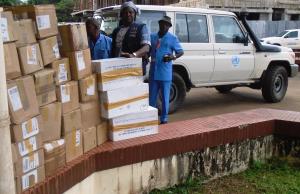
(197, 28)
(181, 28)
(150, 18)
(293, 34)
(227, 30)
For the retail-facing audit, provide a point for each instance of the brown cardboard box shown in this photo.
(88, 89)
(6, 25)
(30, 58)
(12, 65)
(89, 139)
(49, 49)
(102, 131)
(71, 121)
(90, 114)
(27, 129)
(62, 71)
(51, 115)
(24, 30)
(80, 63)
(27, 146)
(22, 101)
(74, 146)
(29, 162)
(44, 17)
(73, 37)
(55, 156)
(45, 86)
(29, 179)
(67, 94)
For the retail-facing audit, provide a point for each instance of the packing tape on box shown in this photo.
(45, 113)
(90, 86)
(109, 106)
(119, 73)
(23, 96)
(134, 125)
(45, 89)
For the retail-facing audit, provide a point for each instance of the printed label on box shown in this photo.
(48, 147)
(80, 61)
(77, 136)
(30, 162)
(14, 97)
(43, 22)
(26, 179)
(27, 146)
(31, 55)
(61, 142)
(30, 128)
(90, 91)
(62, 73)
(56, 51)
(4, 29)
(65, 93)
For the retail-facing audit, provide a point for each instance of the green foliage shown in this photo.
(4, 3)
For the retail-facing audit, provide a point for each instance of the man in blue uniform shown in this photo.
(100, 45)
(164, 45)
(131, 39)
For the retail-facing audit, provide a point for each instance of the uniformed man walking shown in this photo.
(164, 46)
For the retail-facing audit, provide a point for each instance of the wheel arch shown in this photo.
(183, 72)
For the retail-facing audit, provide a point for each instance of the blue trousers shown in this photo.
(164, 86)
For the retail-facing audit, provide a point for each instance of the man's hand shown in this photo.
(168, 58)
(127, 55)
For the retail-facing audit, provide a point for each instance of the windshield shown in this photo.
(150, 18)
(282, 33)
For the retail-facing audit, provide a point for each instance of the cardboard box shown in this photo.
(45, 86)
(73, 37)
(27, 146)
(49, 50)
(29, 162)
(55, 156)
(67, 94)
(88, 89)
(44, 17)
(89, 139)
(71, 121)
(124, 101)
(117, 73)
(12, 65)
(30, 59)
(62, 71)
(74, 146)
(102, 133)
(90, 114)
(80, 63)
(22, 101)
(51, 115)
(134, 125)
(25, 32)
(29, 179)
(27, 129)
(6, 27)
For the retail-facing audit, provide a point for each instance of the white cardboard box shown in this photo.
(124, 101)
(118, 72)
(134, 125)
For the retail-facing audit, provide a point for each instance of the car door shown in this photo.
(234, 61)
(291, 39)
(192, 31)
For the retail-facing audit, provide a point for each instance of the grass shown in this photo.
(276, 176)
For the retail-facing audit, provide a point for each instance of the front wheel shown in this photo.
(275, 84)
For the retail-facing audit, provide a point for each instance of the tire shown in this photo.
(275, 83)
(177, 94)
(224, 89)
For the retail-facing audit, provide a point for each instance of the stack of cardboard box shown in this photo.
(125, 98)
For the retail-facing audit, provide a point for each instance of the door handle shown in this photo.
(222, 52)
(245, 53)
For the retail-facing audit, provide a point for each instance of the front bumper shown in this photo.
(294, 70)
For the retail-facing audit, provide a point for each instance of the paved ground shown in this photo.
(201, 102)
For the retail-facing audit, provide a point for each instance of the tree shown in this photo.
(9, 2)
(64, 8)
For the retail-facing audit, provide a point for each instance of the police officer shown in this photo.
(100, 45)
(131, 39)
(164, 46)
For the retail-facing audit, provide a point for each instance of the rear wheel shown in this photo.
(275, 84)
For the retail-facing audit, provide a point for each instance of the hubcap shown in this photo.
(278, 83)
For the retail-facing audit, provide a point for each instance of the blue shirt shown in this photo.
(167, 45)
(102, 48)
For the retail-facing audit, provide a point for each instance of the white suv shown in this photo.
(220, 51)
(288, 38)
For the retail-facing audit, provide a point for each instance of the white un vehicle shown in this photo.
(221, 51)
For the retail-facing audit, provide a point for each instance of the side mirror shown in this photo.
(246, 39)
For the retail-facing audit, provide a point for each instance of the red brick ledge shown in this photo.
(174, 138)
